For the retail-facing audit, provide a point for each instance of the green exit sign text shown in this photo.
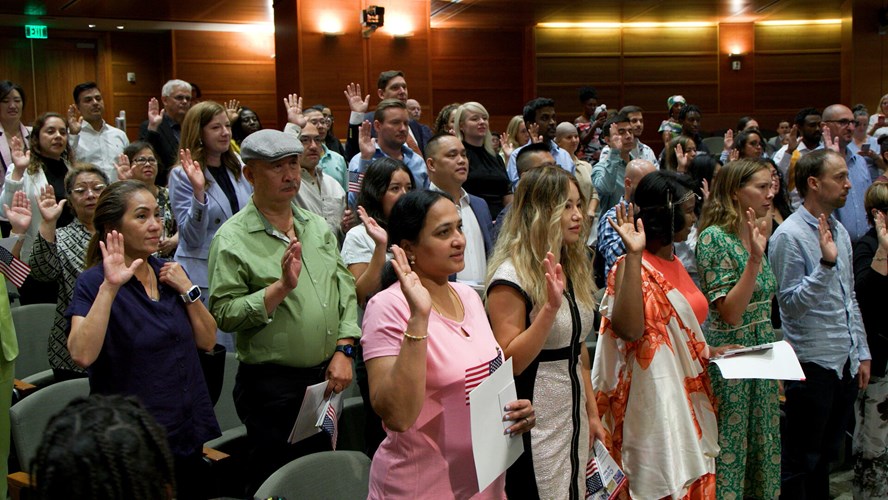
(33, 31)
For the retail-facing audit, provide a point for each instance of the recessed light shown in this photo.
(120, 27)
(92, 25)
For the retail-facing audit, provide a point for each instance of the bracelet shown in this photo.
(414, 337)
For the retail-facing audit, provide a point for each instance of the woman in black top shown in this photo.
(487, 172)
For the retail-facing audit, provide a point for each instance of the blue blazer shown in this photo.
(198, 222)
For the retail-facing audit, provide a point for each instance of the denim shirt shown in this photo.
(818, 306)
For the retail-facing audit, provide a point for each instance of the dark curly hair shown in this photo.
(103, 448)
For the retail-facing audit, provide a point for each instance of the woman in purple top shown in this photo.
(136, 325)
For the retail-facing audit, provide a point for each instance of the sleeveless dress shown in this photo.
(553, 464)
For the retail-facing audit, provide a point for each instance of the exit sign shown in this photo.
(34, 31)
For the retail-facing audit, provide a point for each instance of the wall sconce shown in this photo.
(330, 26)
(372, 18)
(736, 59)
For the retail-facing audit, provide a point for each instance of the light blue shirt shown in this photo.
(561, 156)
(333, 164)
(818, 305)
(853, 214)
(870, 164)
(357, 167)
(608, 177)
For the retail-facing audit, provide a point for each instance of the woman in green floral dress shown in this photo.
(739, 284)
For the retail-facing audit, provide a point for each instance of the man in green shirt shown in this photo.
(277, 281)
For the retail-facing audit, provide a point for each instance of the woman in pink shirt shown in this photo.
(427, 343)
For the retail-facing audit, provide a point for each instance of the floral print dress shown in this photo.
(748, 410)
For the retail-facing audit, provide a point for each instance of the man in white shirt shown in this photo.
(93, 140)
(448, 168)
(320, 193)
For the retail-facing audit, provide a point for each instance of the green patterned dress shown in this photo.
(748, 465)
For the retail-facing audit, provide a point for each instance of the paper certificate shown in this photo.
(494, 451)
(775, 361)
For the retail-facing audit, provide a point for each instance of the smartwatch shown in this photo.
(192, 295)
(347, 349)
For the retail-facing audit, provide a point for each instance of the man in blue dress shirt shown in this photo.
(810, 254)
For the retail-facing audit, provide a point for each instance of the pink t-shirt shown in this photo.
(433, 458)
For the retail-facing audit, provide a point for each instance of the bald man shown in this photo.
(840, 122)
(610, 245)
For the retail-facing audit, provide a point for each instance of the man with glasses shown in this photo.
(332, 162)
(609, 173)
(92, 139)
(319, 192)
(840, 122)
(163, 126)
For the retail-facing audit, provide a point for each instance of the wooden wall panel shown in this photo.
(797, 67)
(487, 66)
(670, 40)
(597, 41)
(577, 70)
(660, 68)
(230, 66)
(793, 96)
(152, 69)
(798, 38)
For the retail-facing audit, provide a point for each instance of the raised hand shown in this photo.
(754, 235)
(374, 230)
(293, 105)
(124, 169)
(352, 94)
(232, 110)
(729, 140)
(792, 139)
(878, 222)
(20, 158)
(555, 281)
(50, 209)
(75, 120)
(506, 145)
(828, 249)
(614, 140)
(828, 141)
(155, 116)
(705, 189)
(291, 264)
(734, 155)
(174, 276)
(534, 132)
(682, 159)
(630, 230)
(194, 172)
(417, 296)
(114, 262)
(20, 214)
(365, 141)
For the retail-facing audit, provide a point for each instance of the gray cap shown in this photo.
(269, 145)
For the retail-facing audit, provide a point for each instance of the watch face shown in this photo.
(194, 293)
(348, 350)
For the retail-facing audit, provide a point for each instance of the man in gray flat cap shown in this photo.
(277, 281)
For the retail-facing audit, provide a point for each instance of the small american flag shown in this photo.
(476, 374)
(354, 181)
(13, 268)
(593, 478)
(331, 424)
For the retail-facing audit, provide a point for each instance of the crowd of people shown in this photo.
(414, 262)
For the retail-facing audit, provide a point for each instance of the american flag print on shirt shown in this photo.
(593, 478)
(477, 374)
(13, 268)
(331, 424)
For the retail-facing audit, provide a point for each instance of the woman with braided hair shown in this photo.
(649, 376)
(103, 448)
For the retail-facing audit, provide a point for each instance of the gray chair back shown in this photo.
(29, 417)
(329, 474)
(33, 324)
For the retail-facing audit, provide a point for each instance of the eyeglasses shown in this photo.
(306, 140)
(754, 144)
(842, 123)
(145, 160)
(96, 189)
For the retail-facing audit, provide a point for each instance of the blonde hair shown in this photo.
(721, 209)
(512, 130)
(192, 136)
(460, 116)
(533, 227)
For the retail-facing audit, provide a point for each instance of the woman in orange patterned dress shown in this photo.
(649, 374)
